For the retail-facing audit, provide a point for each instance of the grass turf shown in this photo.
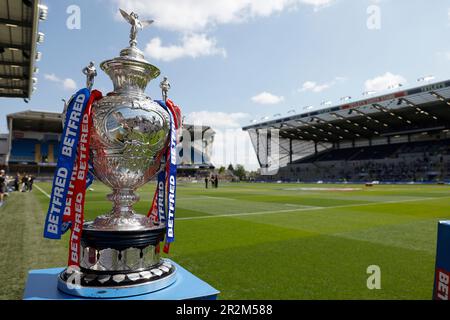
(266, 241)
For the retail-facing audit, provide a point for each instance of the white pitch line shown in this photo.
(206, 198)
(41, 190)
(299, 205)
(218, 198)
(192, 198)
(305, 209)
(246, 214)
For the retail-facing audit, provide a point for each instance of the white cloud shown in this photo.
(443, 54)
(216, 119)
(315, 87)
(318, 4)
(51, 77)
(383, 82)
(194, 45)
(267, 98)
(67, 83)
(192, 18)
(198, 15)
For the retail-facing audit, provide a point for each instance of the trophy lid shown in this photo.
(130, 72)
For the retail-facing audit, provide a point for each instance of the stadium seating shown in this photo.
(23, 150)
(421, 161)
(33, 151)
(49, 150)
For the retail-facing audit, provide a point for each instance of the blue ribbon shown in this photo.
(66, 158)
(90, 176)
(172, 179)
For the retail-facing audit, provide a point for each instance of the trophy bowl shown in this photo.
(129, 138)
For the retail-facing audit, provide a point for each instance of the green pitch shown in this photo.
(266, 241)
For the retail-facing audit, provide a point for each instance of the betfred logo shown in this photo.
(442, 284)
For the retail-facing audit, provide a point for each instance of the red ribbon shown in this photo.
(153, 212)
(176, 113)
(76, 195)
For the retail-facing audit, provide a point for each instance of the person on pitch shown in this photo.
(213, 182)
(30, 182)
(206, 182)
(2, 186)
(16, 182)
(24, 182)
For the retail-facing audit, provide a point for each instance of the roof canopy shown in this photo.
(18, 37)
(421, 109)
(39, 121)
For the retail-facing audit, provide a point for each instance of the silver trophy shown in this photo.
(130, 133)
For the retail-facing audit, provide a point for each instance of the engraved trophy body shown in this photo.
(130, 134)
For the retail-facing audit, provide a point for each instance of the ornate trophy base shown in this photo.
(42, 285)
(118, 264)
(145, 286)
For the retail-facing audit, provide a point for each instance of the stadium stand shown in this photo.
(3, 150)
(33, 141)
(399, 137)
(196, 147)
(194, 152)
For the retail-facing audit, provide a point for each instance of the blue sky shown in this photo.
(231, 61)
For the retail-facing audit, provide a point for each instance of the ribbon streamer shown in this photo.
(64, 168)
(163, 204)
(76, 199)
